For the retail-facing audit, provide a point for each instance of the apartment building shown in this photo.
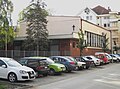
(105, 18)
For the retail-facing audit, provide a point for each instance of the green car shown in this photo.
(54, 67)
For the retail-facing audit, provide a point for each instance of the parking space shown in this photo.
(51, 79)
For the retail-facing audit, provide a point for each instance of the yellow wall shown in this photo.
(87, 26)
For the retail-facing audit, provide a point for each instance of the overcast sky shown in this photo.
(66, 7)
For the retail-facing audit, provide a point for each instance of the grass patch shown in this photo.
(2, 86)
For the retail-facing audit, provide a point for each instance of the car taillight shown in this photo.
(39, 68)
(72, 62)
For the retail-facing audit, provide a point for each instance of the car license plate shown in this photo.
(84, 67)
(76, 68)
(63, 69)
(32, 75)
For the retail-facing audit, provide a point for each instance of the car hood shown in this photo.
(25, 68)
(81, 63)
(57, 64)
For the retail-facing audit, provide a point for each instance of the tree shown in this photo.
(6, 29)
(35, 17)
(105, 43)
(81, 43)
(116, 48)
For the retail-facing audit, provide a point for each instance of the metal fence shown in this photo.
(19, 54)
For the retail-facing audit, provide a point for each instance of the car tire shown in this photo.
(51, 72)
(12, 77)
(69, 71)
(45, 75)
(87, 67)
(80, 68)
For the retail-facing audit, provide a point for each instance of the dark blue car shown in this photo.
(69, 64)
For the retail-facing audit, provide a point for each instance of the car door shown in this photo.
(33, 64)
(62, 61)
(3, 70)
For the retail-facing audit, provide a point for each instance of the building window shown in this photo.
(108, 25)
(104, 25)
(105, 17)
(90, 40)
(74, 45)
(90, 17)
(87, 17)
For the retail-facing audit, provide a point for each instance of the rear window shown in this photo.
(33, 63)
(23, 61)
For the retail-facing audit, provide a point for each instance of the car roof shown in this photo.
(5, 58)
(36, 58)
(65, 57)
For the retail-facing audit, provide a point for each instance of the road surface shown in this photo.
(104, 77)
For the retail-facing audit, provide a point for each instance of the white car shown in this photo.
(96, 60)
(81, 65)
(13, 71)
(115, 57)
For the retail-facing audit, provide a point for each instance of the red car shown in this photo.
(102, 57)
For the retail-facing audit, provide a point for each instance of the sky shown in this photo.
(65, 7)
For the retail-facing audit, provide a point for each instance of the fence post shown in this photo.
(24, 53)
(12, 53)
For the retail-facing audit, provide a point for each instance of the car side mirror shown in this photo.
(4, 66)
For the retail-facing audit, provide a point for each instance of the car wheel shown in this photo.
(69, 71)
(45, 75)
(80, 68)
(87, 67)
(12, 77)
(51, 72)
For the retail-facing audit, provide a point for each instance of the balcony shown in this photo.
(113, 20)
(114, 28)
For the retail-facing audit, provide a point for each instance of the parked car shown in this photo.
(118, 54)
(69, 64)
(106, 54)
(81, 65)
(38, 65)
(115, 57)
(88, 62)
(97, 61)
(54, 67)
(103, 57)
(14, 71)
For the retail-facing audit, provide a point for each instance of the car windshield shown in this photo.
(85, 58)
(108, 56)
(49, 61)
(116, 55)
(70, 58)
(12, 63)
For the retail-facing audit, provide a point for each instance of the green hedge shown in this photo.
(2, 86)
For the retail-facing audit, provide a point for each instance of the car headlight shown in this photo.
(23, 72)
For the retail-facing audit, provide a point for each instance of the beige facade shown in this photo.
(61, 28)
(57, 26)
(97, 32)
(115, 28)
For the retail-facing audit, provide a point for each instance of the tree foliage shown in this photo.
(6, 29)
(35, 17)
(105, 43)
(81, 43)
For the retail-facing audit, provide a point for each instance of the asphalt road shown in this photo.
(105, 77)
(102, 77)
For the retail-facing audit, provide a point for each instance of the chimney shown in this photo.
(109, 9)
